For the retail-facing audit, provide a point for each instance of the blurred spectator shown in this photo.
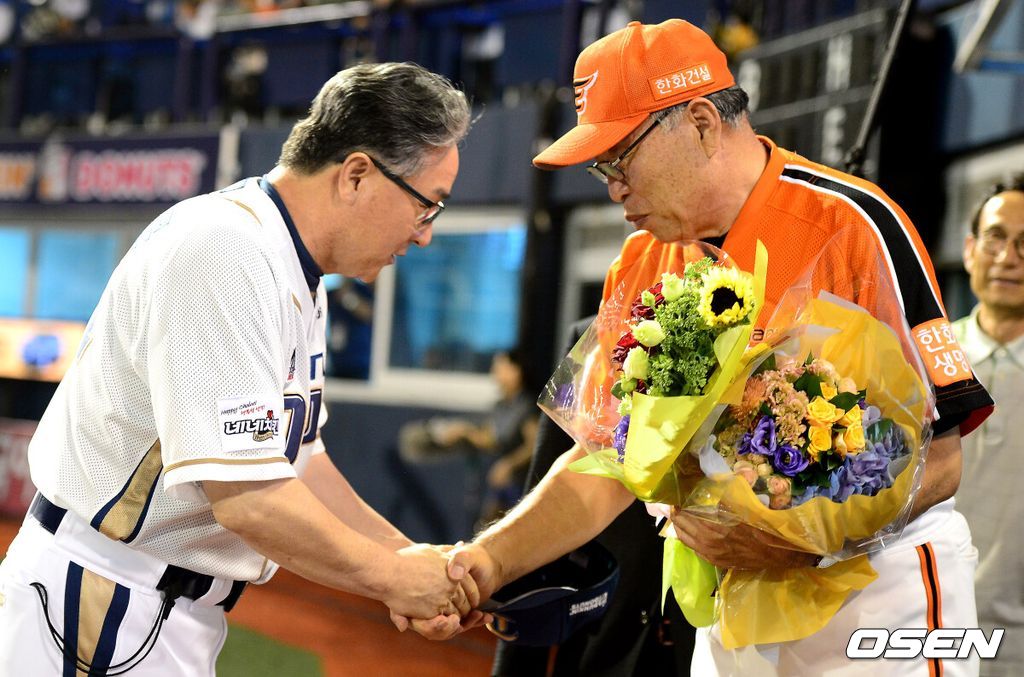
(350, 314)
(506, 435)
(733, 30)
(243, 81)
(993, 338)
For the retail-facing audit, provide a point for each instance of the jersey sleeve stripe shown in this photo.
(121, 518)
(226, 461)
(897, 246)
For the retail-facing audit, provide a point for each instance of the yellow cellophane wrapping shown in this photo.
(764, 606)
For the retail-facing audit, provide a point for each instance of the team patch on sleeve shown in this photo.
(942, 354)
(252, 422)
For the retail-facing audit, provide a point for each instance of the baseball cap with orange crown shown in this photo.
(625, 76)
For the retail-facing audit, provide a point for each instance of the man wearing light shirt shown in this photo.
(989, 495)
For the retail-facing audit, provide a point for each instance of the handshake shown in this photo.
(437, 590)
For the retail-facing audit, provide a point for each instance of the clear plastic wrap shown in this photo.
(816, 434)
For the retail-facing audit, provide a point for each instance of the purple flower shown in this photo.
(837, 489)
(789, 461)
(891, 445)
(871, 415)
(867, 473)
(619, 440)
(762, 441)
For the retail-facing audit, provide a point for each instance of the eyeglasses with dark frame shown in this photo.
(609, 169)
(994, 243)
(433, 209)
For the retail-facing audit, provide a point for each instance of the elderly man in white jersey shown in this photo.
(180, 458)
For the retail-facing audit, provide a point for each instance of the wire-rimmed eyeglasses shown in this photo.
(433, 209)
(993, 243)
(609, 169)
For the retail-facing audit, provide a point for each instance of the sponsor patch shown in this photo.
(250, 423)
(942, 355)
(681, 81)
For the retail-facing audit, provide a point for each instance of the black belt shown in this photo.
(175, 582)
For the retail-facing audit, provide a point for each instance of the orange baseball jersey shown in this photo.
(808, 214)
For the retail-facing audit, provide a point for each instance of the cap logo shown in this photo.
(581, 86)
(680, 81)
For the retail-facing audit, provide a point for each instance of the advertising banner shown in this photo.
(122, 170)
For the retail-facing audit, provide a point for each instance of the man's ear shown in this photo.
(704, 116)
(969, 242)
(356, 167)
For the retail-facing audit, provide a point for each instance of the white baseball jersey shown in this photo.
(202, 361)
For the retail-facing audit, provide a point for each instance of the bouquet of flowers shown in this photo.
(803, 431)
(643, 379)
(816, 434)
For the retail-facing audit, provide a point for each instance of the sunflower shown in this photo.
(726, 296)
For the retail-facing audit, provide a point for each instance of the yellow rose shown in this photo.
(851, 419)
(854, 438)
(823, 413)
(821, 439)
(827, 391)
(840, 445)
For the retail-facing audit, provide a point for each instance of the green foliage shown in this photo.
(687, 355)
(810, 384)
(846, 401)
(876, 431)
(767, 365)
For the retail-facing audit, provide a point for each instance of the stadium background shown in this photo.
(111, 110)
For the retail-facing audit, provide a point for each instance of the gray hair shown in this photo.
(399, 113)
(731, 104)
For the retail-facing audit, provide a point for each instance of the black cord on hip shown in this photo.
(113, 670)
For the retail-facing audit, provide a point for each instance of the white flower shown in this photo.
(636, 364)
(649, 333)
(672, 287)
(626, 405)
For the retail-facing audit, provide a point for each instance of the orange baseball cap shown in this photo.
(622, 78)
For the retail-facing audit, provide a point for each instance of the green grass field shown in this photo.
(251, 654)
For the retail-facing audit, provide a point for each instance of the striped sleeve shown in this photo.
(960, 399)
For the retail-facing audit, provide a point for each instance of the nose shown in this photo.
(1009, 254)
(617, 190)
(423, 239)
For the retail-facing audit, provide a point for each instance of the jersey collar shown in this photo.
(310, 270)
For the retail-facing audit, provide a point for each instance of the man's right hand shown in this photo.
(422, 588)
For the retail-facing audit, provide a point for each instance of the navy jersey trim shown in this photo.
(72, 595)
(310, 270)
(107, 642)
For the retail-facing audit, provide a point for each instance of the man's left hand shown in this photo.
(737, 546)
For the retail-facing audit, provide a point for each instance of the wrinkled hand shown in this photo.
(444, 625)
(474, 561)
(737, 546)
(424, 589)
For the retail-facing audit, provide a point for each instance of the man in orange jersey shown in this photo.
(667, 129)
